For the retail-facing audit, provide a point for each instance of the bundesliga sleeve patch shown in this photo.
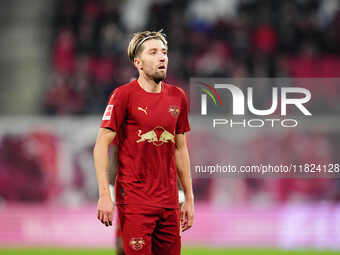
(108, 112)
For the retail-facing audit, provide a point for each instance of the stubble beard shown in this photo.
(157, 77)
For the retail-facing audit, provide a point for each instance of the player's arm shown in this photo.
(113, 158)
(102, 165)
(183, 170)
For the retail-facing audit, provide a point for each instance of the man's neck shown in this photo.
(149, 85)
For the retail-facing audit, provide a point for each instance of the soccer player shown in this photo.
(150, 119)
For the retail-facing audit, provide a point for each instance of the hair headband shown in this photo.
(142, 41)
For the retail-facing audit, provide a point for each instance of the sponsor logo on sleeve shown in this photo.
(108, 112)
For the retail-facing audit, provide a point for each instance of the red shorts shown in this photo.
(150, 230)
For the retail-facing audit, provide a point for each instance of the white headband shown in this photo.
(142, 41)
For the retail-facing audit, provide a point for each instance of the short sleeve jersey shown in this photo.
(146, 125)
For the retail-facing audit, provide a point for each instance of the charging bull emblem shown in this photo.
(150, 136)
(156, 136)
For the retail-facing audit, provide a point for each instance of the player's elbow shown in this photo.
(180, 150)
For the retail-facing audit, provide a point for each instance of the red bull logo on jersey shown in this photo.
(156, 136)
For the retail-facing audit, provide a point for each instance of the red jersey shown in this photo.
(146, 124)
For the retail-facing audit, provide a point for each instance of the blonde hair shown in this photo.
(139, 38)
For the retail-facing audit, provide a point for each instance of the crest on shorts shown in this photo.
(174, 111)
(137, 243)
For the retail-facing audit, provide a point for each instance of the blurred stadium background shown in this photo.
(61, 59)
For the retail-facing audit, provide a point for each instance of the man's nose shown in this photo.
(162, 57)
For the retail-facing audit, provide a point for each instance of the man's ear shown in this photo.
(138, 63)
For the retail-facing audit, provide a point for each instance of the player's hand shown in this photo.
(187, 215)
(105, 210)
